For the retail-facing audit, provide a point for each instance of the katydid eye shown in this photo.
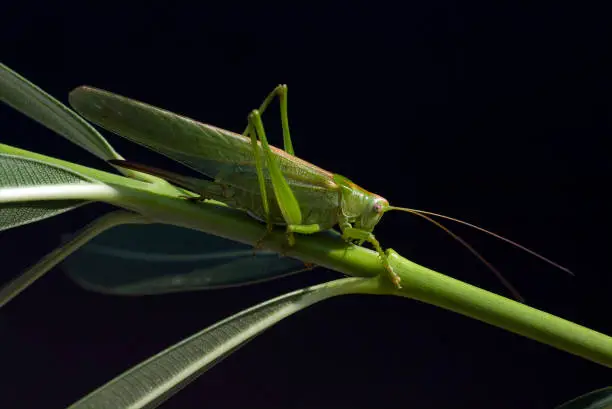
(380, 206)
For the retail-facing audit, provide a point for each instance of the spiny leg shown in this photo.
(260, 179)
(351, 233)
(285, 198)
(251, 131)
(281, 92)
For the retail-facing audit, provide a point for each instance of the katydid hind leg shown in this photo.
(287, 144)
(285, 198)
(352, 233)
(281, 92)
(259, 166)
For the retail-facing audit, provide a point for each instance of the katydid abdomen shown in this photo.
(318, 205)
(239, 190)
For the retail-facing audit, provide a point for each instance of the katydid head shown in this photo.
(372, 214)
(361, 208)
(365, 209)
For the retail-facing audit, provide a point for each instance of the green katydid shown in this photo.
(271, 184)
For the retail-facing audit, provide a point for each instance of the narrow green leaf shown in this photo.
(16, 172)
(152, 382)
(159, 258)
(32, 101)
(599, 399)
(101, 224)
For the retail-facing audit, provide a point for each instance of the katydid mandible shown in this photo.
(270, 184)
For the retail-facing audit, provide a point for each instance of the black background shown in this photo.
(496, 114)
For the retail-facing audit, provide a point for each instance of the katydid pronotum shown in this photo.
(271, 184)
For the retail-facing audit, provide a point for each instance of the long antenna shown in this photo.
(533, 253)
(495, 271)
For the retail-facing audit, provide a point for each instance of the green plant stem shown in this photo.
(159, 203)
(429, 286)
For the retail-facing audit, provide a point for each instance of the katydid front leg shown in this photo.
(287, 203)
(352, 233)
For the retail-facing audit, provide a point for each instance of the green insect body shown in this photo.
(247, 172)
(318, 205)
(271, 184)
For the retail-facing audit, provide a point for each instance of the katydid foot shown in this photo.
(300, 229)
(351, 233)
(259, 243)
(290, 242)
